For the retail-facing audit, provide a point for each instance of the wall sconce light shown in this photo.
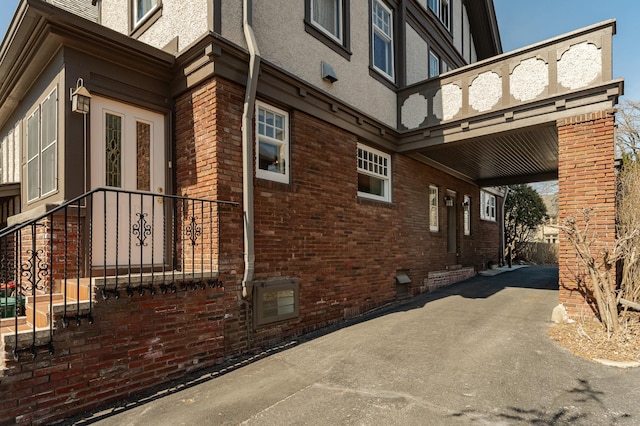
(80, 98)
(448, 201)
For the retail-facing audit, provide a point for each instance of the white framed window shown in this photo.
(434, 224)
(487, 206)
(326, 15)
(445, 13)
(142, 9)
(442, 9)
(272, 150)
(374, 174)
(434, 65)
(382, 38)
(434, 5)
(42, 148)
(466, 214)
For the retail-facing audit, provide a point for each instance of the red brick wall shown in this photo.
(586, 179)
(209, 165)
(344, 250)
(120, 354)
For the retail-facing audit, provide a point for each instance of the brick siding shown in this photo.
(344, 250)
(586, 179)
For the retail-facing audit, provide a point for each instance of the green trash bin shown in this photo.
(7, 307)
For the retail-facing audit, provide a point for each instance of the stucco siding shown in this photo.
(185, 19)
(115, 15)
(457, 23)
(283, 41)
(417, 57)
(466, 37)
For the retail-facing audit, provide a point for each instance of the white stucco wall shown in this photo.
(417, 58)
(185, 19)
(115, 15)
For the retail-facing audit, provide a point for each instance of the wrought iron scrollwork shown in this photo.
(34, 270)
(193, 231)
(141, 229)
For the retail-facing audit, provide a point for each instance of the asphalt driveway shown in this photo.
(474, 353)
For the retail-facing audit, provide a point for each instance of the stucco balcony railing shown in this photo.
(557, 78)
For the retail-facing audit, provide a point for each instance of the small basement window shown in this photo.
(276, 300)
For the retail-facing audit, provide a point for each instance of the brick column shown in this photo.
(586, 179)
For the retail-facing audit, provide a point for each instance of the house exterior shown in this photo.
(255, 175)
(549, 232)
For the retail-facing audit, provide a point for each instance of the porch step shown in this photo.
(8, 325)
(41, 306)
(73, 289)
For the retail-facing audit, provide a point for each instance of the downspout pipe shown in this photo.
(504, 248)
(247, 147)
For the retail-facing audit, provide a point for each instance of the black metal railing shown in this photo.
(105, 242)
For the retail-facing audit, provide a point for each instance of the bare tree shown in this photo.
(599, 263)
(629, 225)
(628, 130)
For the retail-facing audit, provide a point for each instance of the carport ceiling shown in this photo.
(525, 155)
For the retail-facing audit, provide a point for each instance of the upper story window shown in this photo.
(434, 65)
(442, 9)
(42, 148)
(434, 226)
(382, 43)
(272, 151)
(328, 21)
(144, 13)
(327, 16)
(143, 8)
(374, 174)
(487, 206)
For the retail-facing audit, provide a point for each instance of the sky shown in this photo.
(524, 22)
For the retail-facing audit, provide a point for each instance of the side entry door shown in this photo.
(127, 153)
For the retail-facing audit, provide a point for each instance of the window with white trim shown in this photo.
(434, 65)
(374, 174)
(272, 150)
(442, 9)
(434, 226)
(42, 148)
(326, 15)
(466, 214)
(382, 38)
(487, 206)
(142, 9)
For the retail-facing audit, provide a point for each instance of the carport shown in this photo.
(539, 113)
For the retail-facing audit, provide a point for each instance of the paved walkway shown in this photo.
(473, 353)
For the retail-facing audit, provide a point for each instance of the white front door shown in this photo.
(127, 153)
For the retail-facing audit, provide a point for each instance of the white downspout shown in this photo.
(247, 147)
